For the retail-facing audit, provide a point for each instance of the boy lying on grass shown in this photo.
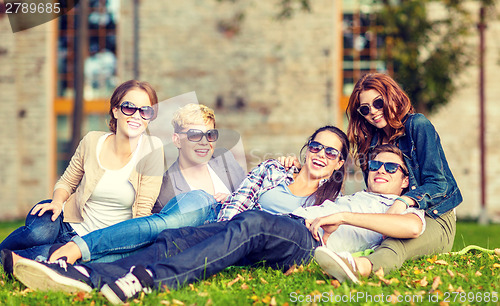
(181, 256)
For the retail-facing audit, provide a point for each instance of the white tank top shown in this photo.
(112, 199)
(219, 185)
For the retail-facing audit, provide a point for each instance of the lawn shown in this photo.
(468, 279)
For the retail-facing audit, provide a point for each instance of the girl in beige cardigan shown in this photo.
(111, 177)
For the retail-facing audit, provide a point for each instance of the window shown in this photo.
(99, 72)
(362, 44)
(361, 55)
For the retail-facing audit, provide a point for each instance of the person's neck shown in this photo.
(304, 184)
(392, 194)
(124, 146)
(191, 169)
(384, 135)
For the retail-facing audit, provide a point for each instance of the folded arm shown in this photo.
(392, 225)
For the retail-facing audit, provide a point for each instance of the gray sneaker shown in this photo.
(129, 286)
(339, 265)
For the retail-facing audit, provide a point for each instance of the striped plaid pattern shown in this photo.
(264, 177)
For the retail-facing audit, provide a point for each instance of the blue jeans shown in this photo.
(120, 240)
(188, 254)
(38, 234)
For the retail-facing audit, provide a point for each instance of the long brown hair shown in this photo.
(122, 90)
(396, 106)
(330, 189)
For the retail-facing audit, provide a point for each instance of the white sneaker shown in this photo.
(340, 265)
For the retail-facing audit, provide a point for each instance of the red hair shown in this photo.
(396, 106)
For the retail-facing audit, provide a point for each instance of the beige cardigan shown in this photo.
(83, 174)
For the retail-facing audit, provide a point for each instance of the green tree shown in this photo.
(425, 50)
(426, 53)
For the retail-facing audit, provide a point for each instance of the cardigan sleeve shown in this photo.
(73, 174)
(150, 170)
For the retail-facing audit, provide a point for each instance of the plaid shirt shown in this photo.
(264, 177)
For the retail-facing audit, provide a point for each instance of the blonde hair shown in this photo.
(192, 114)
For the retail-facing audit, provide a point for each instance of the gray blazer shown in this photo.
(222, 162)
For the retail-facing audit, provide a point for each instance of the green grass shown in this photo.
(457, 279)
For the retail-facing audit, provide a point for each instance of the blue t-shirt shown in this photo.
(280, 200)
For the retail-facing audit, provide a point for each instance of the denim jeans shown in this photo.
(38, 234)
(193, 208)
(184, 255)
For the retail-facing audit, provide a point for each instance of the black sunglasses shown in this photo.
(129, 108)
(374, 165)
(196, 135)
(364, 109)
(316, 147)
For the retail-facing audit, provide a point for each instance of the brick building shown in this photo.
(273, 81)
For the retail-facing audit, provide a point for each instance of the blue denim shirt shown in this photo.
(432, 184)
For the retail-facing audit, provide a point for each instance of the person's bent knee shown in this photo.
(201, 197)
(41, 202)
(189, 201)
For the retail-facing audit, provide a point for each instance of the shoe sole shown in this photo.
(37, 276)
(110, 295)
(333, 264)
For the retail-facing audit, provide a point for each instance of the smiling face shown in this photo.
(194, 153)
(134, 125)
(376, 116)
(317, 164)
(383, 182)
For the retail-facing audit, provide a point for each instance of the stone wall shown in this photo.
(26, 140)
(458, 126)
(270, 76)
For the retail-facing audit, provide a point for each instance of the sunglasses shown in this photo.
(365, 109)
(374, 165)
(196, 135)
(129, 108)
(316, 147)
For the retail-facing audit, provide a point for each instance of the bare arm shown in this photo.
(399, 206)
(392, 225)
(67, 184)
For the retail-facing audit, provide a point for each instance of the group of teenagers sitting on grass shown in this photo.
(116, 223)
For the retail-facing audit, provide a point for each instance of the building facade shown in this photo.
(273, 81)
